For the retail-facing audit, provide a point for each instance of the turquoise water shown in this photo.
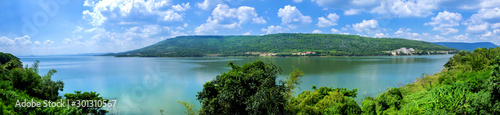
(146, 85)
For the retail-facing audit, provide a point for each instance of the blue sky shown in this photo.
(48, 27)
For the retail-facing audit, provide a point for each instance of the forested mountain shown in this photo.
(467, 46)
(284, 44)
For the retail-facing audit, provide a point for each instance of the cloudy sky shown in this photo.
(47, 27)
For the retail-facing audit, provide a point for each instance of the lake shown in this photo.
(146, 85)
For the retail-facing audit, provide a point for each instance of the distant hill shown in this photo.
(467, 46)
(285, 44)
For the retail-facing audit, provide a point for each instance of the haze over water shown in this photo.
(146, 85)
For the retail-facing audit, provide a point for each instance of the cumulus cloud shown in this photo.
(274, 29)
(386, 8)
(367, 26)
(380, 35)
(406, 33)
(224, 17)
(335, 31)
(406, 8)
(330, 20)
(445, 21)
(352, 11)
(292, 17)
(461, 37)
(479, 28)
(22, 45)
(48, 42)
(181, 7)
(209, 4)
(316, 31)
(121, 11)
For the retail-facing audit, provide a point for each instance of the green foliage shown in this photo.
(369, 106)
(292, 81)
(284, 44)
(250, 89)
(390, 100)
(325, 101)
(468, 85)
(78, 95)
(18, 83)
(189, 108)
(9, 61)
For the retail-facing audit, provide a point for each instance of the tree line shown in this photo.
(285, 44)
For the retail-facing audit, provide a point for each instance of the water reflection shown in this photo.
(146, 85)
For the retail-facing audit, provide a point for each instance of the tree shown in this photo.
(249, 89)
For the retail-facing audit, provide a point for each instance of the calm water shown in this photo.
(146, 85)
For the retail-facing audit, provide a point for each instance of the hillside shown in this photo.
(281, 45)
(467, 46)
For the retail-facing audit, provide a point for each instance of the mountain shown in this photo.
(467, 46)
(284, 44)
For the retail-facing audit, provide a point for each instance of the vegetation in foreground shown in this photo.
(19, 84)
(285, 44)
(469, 84)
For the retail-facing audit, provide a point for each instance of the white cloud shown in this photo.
(496, 31)
(387, 8)
(6, 41)
(224, 17)
(346, 4)
(495, 25)
(445, 21)
(316, 31)
(406, 8)
(335, 31)
(21, 45)
(209, 4)
(405, 33)
(48, 42)
(297, 1)
(367, 26)
(352, 11)
(37, 43)
(471, 4)
(274, 29)
(292, 17)
(171, 15)
(485, 16)
(331, 20)
(247, 33)
(461, 37)
(380, 35)
(480, 28)
(181, 7)
(95, 18)
(121, 11)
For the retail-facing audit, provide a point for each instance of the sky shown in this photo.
(52, 27)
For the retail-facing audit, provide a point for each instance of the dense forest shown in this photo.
(20, 84)
(469, 84)
(284, 44)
